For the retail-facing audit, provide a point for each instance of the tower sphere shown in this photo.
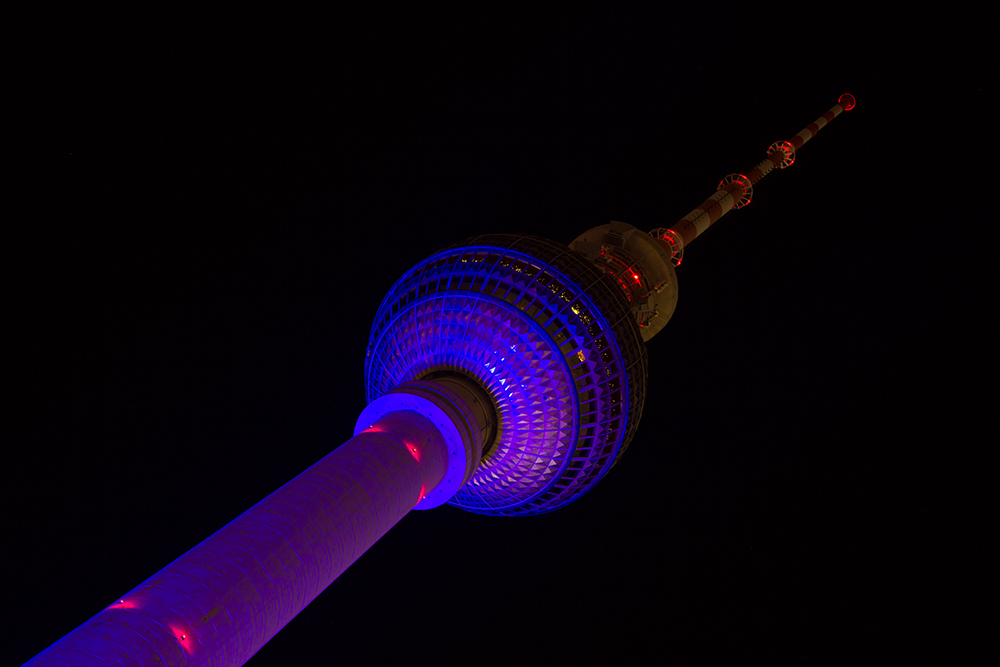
(549, 336)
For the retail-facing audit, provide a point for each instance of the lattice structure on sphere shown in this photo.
(553, 340)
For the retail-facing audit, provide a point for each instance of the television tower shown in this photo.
(506, 375)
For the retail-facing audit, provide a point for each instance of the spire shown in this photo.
(736, 190)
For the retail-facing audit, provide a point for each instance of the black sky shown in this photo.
(204, 223)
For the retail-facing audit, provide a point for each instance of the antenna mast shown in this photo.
(736, 190)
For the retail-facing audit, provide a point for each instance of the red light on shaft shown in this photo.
(184, 637)
(413, 450)
(124, 603)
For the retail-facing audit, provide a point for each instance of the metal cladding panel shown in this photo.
(549, 335)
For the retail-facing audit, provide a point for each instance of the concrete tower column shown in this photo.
(219, 603)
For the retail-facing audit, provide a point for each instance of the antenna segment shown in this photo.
(736, 190)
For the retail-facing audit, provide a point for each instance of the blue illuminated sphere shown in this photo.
(549, 336)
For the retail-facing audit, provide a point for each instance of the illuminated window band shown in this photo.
(550, 336)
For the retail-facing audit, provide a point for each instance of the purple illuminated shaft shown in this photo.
(220, 602)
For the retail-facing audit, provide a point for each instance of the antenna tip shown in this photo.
(847, 101)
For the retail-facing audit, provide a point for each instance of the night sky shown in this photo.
(204, 223)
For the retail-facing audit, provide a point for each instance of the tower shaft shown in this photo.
(219, 603)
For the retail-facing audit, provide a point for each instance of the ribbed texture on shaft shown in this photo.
(220, 602)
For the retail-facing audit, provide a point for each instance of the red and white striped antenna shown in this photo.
(736, 190)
